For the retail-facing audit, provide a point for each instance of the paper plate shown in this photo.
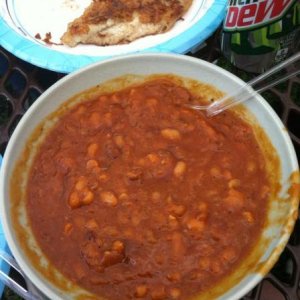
(21, 21)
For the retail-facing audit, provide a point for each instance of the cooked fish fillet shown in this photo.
(112, 22)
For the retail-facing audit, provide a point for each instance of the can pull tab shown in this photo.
(254, 86)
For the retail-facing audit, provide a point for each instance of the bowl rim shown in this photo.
(46, 288)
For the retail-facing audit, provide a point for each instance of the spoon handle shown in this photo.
(248, 90)
(12, 284)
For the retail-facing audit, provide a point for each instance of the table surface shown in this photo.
(21, 83)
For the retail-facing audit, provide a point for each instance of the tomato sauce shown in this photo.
(134, 195)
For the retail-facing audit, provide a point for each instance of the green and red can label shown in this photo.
(260, 33)
(250, 14)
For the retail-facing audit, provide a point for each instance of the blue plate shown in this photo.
(3, 246)
(16, 40)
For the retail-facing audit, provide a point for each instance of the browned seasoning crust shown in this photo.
(110, 22)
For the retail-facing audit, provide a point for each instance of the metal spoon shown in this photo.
(248, 90)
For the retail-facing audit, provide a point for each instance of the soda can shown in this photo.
(257, 34)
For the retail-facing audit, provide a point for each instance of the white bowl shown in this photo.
(284, 206)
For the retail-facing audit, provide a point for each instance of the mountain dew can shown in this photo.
(258, 34)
